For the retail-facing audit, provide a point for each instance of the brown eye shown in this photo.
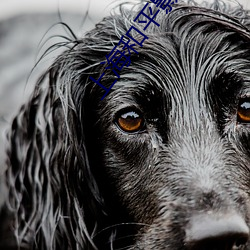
(243, 113)
(130, 121)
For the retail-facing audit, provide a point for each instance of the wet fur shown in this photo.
(78, 182)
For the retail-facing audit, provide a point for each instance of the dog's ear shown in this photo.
(51, 186)
(53, 198)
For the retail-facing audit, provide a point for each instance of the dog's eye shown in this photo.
(243, 113)
(130, 121)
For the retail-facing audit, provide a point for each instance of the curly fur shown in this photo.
(75, 181)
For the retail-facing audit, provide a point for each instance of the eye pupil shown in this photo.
(243, 113)
(130, 122)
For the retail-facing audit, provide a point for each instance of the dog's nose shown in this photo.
(217, 232)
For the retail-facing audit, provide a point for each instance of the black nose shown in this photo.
(217, 232)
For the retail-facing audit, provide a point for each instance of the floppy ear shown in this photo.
(51, 186)
(54, 199)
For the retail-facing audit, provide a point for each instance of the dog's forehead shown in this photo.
(188, 58)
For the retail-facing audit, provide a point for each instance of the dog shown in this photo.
(162, 162)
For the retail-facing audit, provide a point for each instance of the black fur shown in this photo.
(77, 181)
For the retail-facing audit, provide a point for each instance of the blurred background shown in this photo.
(25, 26)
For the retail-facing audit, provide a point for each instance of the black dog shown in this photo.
(162, 162)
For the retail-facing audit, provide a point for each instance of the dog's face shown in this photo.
(174, 135)
(162, 162)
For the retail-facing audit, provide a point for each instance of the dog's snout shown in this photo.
(217, 232)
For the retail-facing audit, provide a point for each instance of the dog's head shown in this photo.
(162, 162)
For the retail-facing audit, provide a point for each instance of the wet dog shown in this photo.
(162, 162)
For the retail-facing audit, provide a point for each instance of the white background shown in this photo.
(96, 7)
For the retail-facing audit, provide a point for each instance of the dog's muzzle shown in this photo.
(217, 232)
